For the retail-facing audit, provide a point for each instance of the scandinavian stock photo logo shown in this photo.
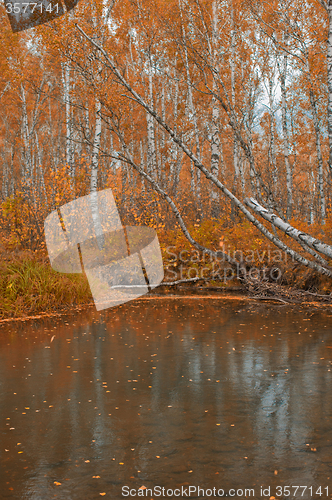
(120, 262)
(24, 15)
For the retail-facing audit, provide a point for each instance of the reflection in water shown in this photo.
(166, 392)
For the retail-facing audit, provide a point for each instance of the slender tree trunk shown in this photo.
(151, 155)
(289, 172)
(94, 177)
(215, 134)
(329, 83)
(143, 189)
(96, 148)
(233, 95)
(275, 182)
(176, 161)
(162, 173)
(4, 179)
(312, 196)
(66, 80)
(27, 171)
(320, 173)
(193, 116)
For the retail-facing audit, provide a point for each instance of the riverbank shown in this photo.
(29, 287)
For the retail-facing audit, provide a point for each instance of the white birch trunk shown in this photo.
(193, 115)
(289, 172)
(178, 167)
(142, 166)
(66, 80)
(151, 154)
(215, 134)
(27, 172)
(272, 140)
(297, 235)
(94, 178)
(176, 162)
(320, 170)
(328, 6)
(233, 96)
(4, 179)
(40, 169)
(312, 196)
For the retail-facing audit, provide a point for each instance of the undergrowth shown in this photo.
(28, 284)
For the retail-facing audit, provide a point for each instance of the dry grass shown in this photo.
(28, 285)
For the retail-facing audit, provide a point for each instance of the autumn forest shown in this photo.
(210, 120)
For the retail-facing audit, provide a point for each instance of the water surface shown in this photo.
(166, 391)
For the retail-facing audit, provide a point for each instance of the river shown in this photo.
(174, 393)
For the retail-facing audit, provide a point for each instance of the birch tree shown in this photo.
(66, 82)
(315, 264)
(215, 119)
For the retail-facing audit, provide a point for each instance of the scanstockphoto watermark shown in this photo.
(23, 14)
(225, 274)
(248, 256)
(192, 264)
(186, 491)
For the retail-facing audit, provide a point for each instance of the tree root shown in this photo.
(265, 290)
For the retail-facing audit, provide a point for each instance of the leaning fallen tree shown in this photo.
(311, 245)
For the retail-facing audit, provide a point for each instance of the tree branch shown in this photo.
(297, 235)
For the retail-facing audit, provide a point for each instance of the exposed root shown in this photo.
(265, 290)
